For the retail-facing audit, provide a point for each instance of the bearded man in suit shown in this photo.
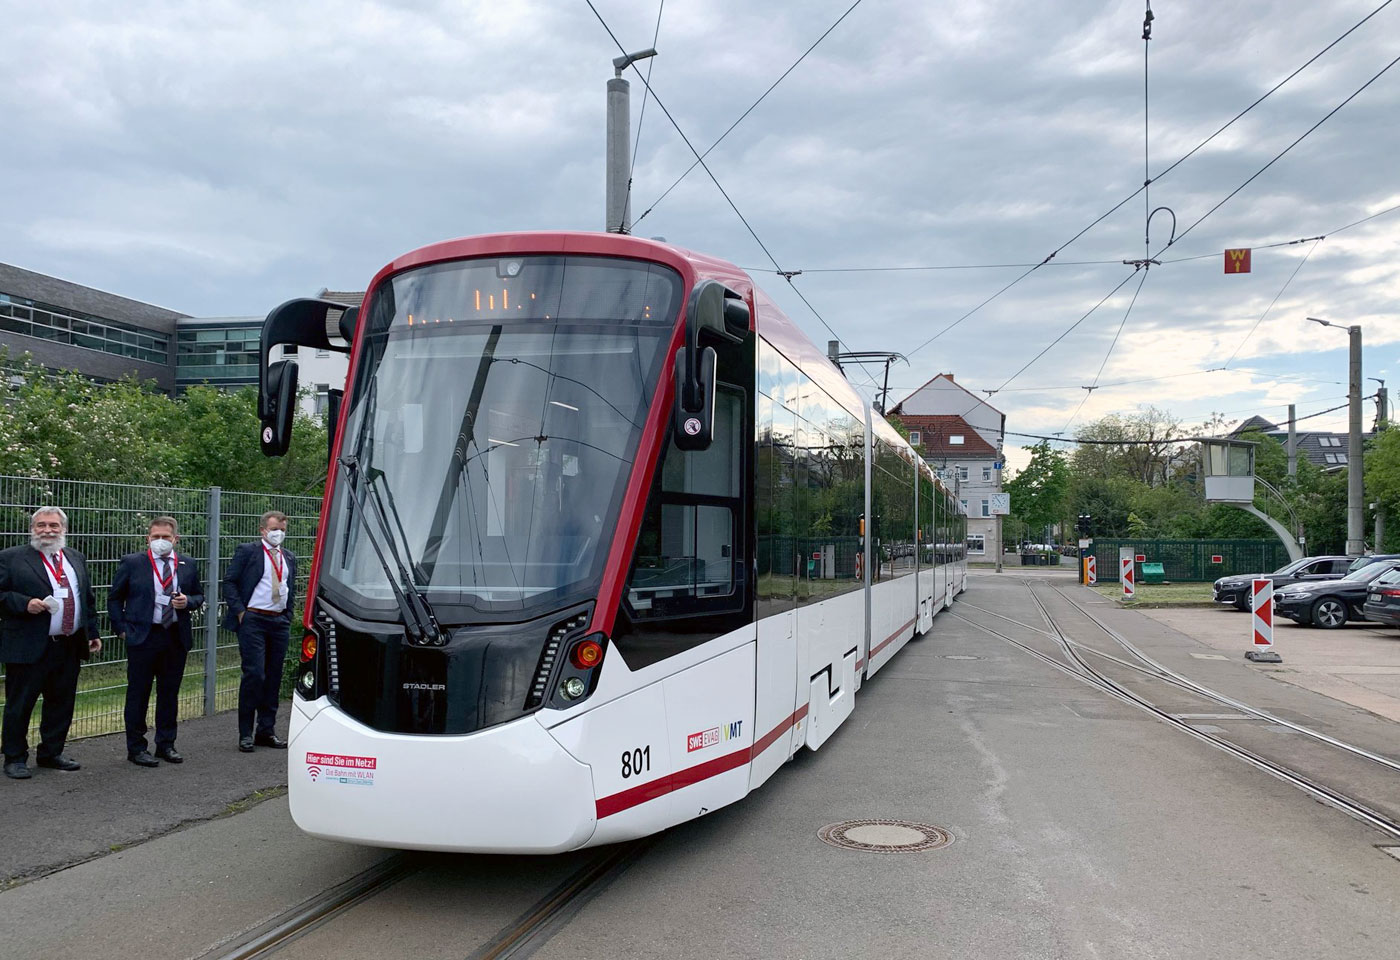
(48, 626)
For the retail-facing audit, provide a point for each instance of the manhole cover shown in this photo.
(959, 656)
(884, 836)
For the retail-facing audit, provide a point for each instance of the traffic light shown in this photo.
(1083, 524)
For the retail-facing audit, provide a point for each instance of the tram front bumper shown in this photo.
(507, 789)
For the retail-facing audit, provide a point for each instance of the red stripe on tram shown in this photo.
(634, 796)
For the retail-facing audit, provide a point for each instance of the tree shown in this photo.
(1040, 491)
(68, 427)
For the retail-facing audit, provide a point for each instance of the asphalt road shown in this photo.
(1083, 828)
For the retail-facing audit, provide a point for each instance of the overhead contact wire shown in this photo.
(653, 205)
(713, 179)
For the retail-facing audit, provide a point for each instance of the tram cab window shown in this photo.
(689, 572)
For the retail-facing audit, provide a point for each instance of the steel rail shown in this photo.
(1224, 699)
(1082, 671)
(520, 938)
(268, 938)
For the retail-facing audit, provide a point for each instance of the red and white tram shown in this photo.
(606, 540)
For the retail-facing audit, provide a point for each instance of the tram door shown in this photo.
(775, 492)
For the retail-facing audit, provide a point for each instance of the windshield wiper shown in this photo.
(418, 615)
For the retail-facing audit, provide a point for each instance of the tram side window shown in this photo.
(832, 491)
(776, 501)
(892, 500)
(930, 544)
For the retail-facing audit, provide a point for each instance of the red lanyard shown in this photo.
(276, 567)
(57, 572)
(163, 581)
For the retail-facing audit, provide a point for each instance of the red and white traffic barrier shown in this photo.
(1262, 624)
(1126, 572)
(1091, 568)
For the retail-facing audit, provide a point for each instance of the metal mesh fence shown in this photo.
(1193, 560)
(106, 521)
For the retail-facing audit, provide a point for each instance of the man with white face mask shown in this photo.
(48, 624)
(259, 590)
(152, 596)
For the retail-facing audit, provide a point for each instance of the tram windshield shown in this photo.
(496, 409)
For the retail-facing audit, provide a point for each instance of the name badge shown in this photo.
(162, 600)
(61, 593)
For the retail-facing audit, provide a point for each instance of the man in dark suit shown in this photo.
(48, 625)
(259, 590)
(153, 594)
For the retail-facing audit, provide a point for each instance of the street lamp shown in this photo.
(619, 211)
(1356, 509)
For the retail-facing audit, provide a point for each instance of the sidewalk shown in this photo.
(57, 819)
(1358, 663)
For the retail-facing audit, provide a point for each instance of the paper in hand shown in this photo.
(52, 603)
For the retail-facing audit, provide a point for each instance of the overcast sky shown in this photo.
(217, 158)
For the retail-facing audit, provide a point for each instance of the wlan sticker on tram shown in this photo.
(341, 768)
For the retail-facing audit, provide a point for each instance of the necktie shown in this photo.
(167, 612)
(69, 606)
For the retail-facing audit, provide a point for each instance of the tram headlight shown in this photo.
(308, 680)
(573, 688)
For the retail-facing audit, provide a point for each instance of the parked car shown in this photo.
(1360, 562)
(1331, 603)
(1383, 599)
(1238, 590)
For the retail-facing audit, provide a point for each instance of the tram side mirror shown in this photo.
(716, 312)
(348, 319)
(302, 322)
(279, 403)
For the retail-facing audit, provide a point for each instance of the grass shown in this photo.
(1161, 594)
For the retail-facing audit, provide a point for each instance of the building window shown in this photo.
(986, 474)
(323, 392)
(1336, 457)
(964, 505)
(1329, 441)
(914, 438)
(976, 543)
(962, 473)
(986, 507)
(956, 439)
(226, 355)
(61, 325)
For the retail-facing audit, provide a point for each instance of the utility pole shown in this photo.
(1292, 441)
(1000, 463)
(1356, 504)
(619, 201)
(1382, 423)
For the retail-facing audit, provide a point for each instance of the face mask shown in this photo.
(275, 537)
(161, 547)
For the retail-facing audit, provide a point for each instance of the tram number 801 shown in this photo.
(636, 762)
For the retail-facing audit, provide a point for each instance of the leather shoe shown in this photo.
(59, 762)
(169, 755)
(143, 759)
(270, 740)
(246, 745)
(18, 770)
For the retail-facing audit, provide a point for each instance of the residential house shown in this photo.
(960, 435)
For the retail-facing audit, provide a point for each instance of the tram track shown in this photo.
(1071, 659)
(517, 939)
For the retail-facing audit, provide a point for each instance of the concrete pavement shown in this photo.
(1082, 828)
(56, 819)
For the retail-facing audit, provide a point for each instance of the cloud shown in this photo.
(219, 157)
